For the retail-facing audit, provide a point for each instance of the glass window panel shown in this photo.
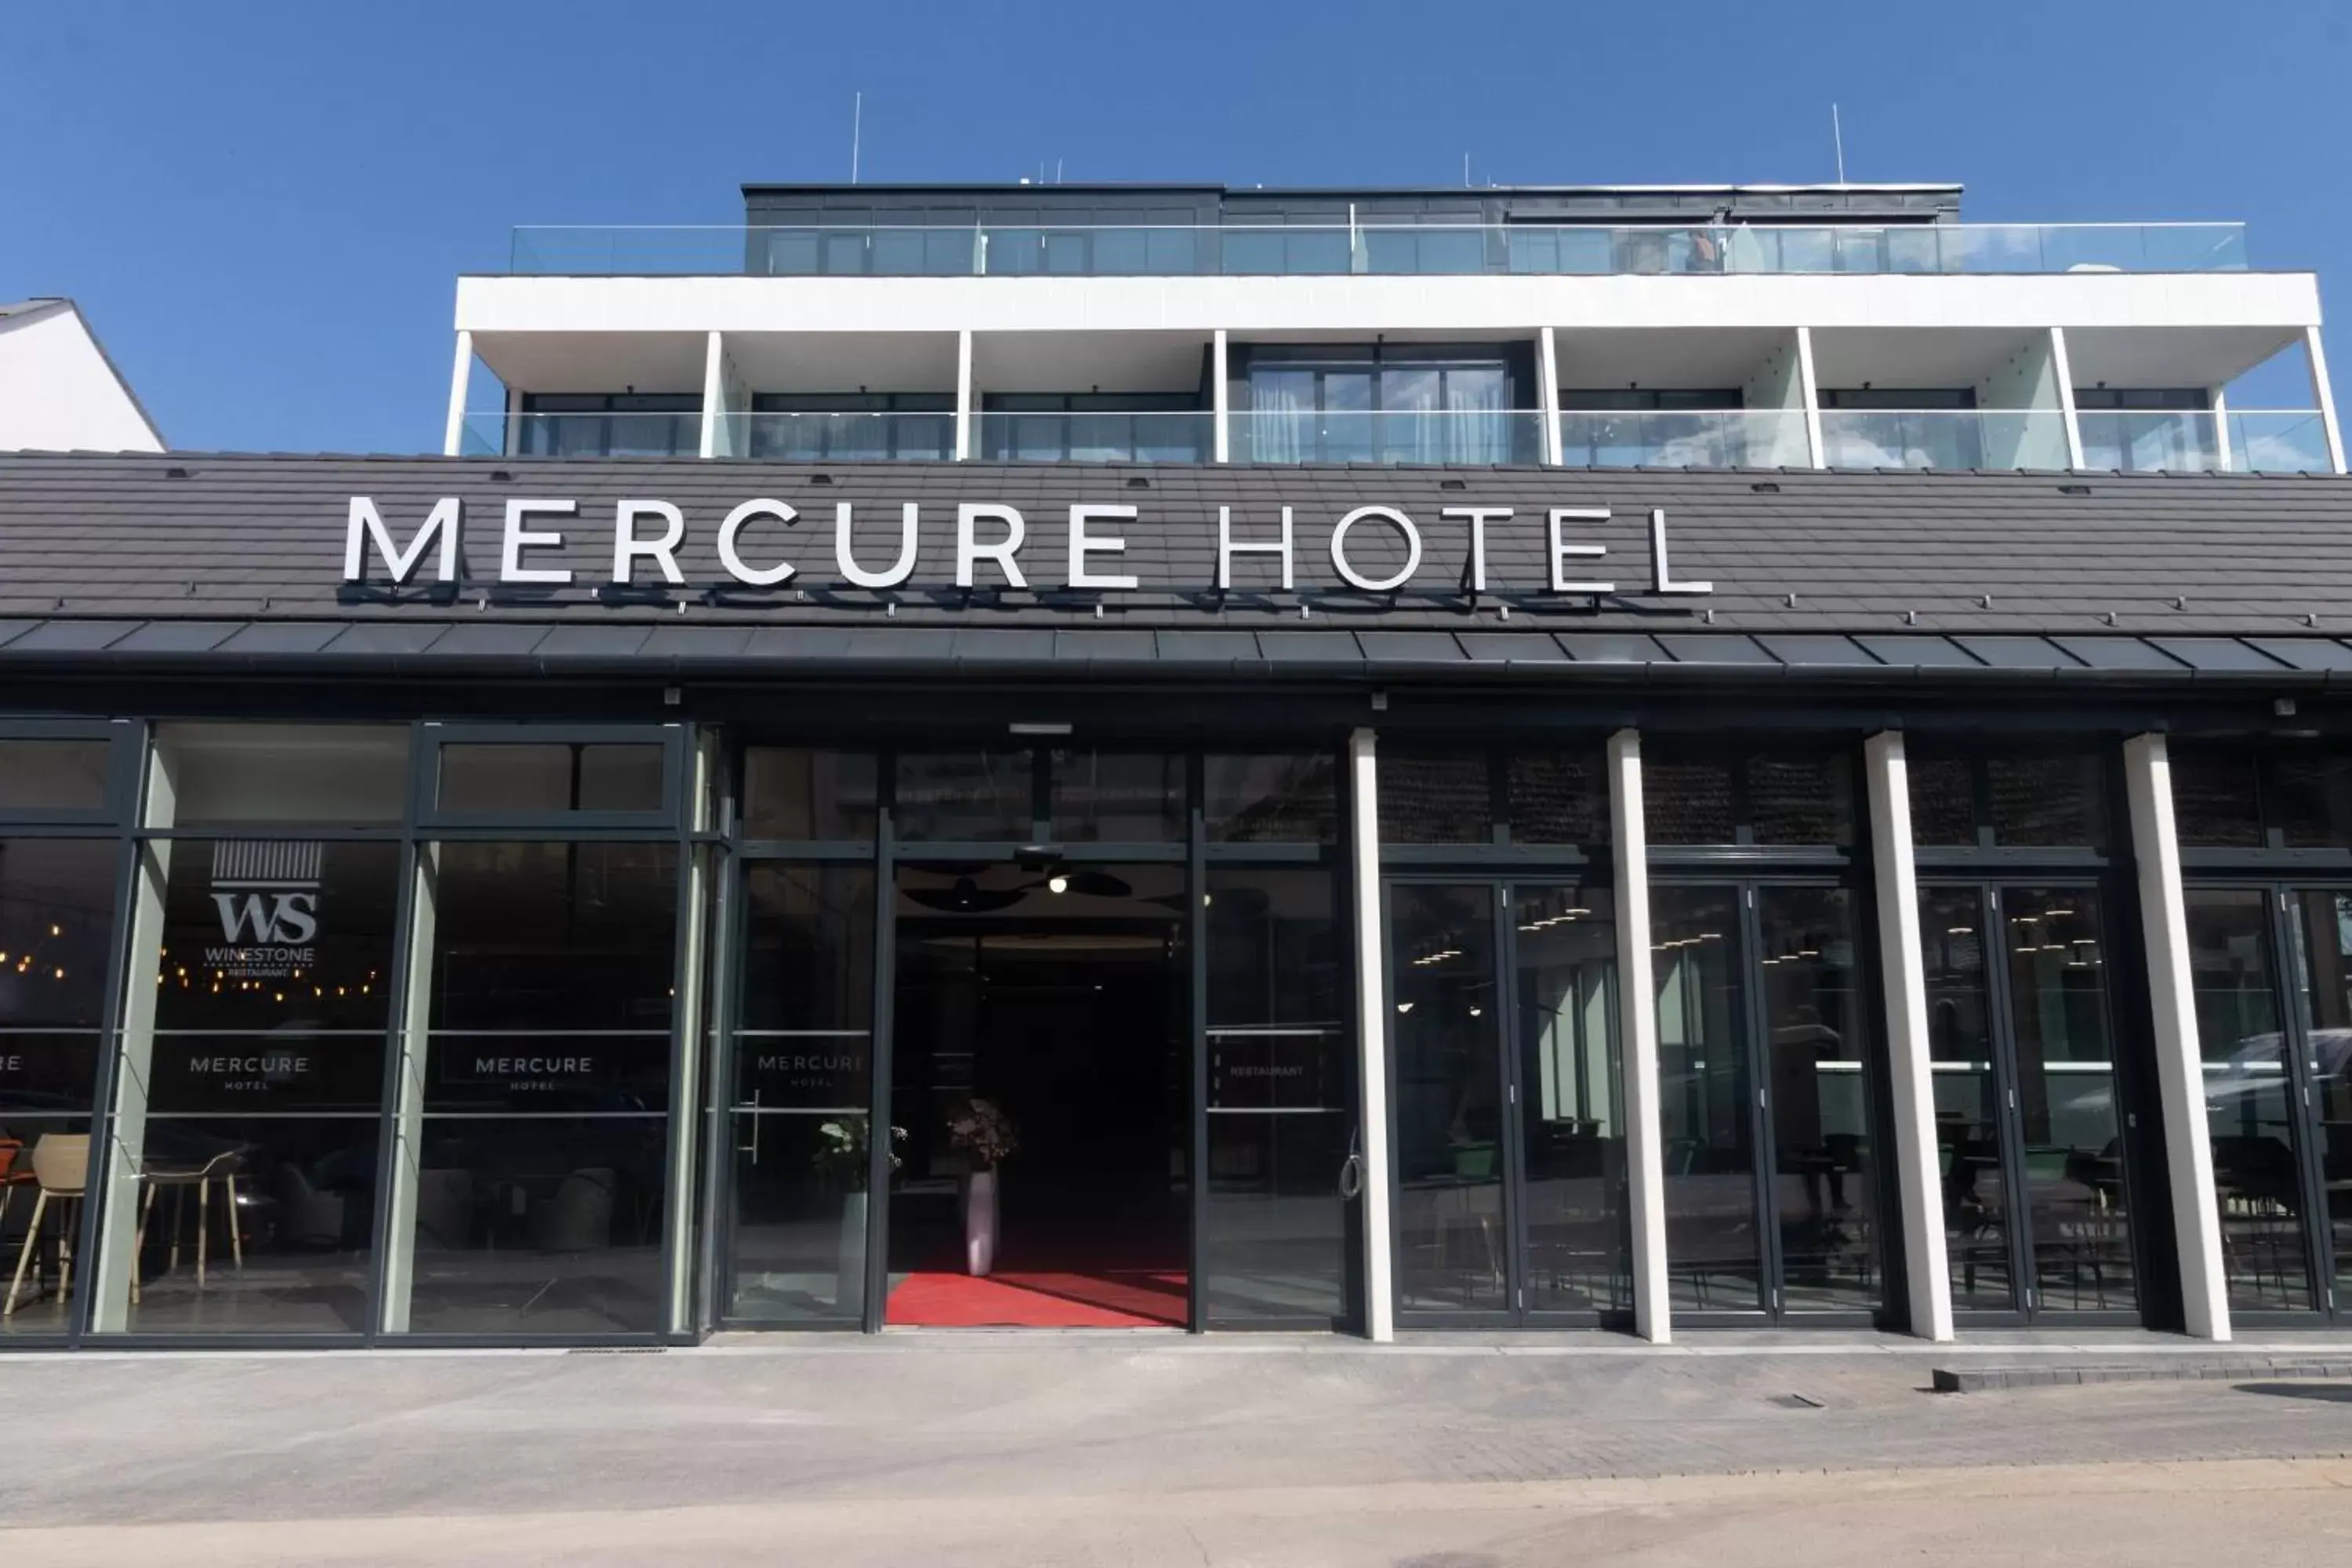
(1452, 1230)
(811, 796)
(551, 776)
(2311, 800)
(804, 1085)
(2047, 801)
(1564, 982)
(1433, 799)
(2322, 933)
(2076, 1198)
(1118, 797)
(52, 775)
(1277, 799)
(1559, 797)
(2215, 798)
(1714, 1253)
(218, 774)
(1687, 800)
(961, 797)
(1971, 1133)
(1943, 802)
(1281, 1093)
(2249, 1100)
(262, 1079)
(1801, 799)
(1817, 1044)
(541, 1160)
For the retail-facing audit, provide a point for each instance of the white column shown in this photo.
(2064, 370)
(1371, 1032)
(1815, 452)
(963, 395)
(714, 392)
(2179, 1068)
(1918, 1173)
(453, 433)
(2221, 429)
(1547, 386)
(2324, 396)
(1637, 1025)
(1220, 398)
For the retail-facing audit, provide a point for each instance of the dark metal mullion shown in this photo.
(879, 1110)
(715, 1272)
(1770, 1288)
(2319, 1240)
(685, 1023)
(1196, 885)
(2009, 1107)
(1513, 1143)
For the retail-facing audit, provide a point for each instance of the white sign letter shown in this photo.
(969, 550)
(732, 559)
(520, 538)
(842, 556)
(1561, 552)
(1227, 549)
(447, 519)
(628, 549)
(1478, 516)
(1357, 579)
(1661, 579)
(1081, 546)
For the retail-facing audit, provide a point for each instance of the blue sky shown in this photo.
(264, 207)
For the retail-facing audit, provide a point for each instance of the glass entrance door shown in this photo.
(2028, 1113)
(1510, 1145)
(2276, 1043)
(1764, 1058)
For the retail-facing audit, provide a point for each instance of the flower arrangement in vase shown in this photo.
(987, 1138)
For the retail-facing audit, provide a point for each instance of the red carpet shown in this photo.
(1036, 1298)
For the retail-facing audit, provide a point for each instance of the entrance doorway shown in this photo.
(2030, 1112)
(1765, 1062)
(2277, 1039)
(1510, 1117)
(1039, 1098)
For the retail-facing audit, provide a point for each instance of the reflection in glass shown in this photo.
(1451, 1227)
(1943, 802)
(2248, 1100)
(56, 908)
(804, 1087)
(1714, 1254)
(549, 778)
(2216, 797)
(1434, 799)
(2047, 802)
(2323, 971)
(1281, 1098)
(539, 1165)
(1687, 800)
(1971, 1134)
(1800, 799)
(1118, 797)
(2311, 800)
(964, 797)
(809, 796)
(1817, 1040)
(222, 774)
(1557, 797)
(53, 775)
(1271, 799)
(1572, 1096)
(257, 1158)
(2072, 1159)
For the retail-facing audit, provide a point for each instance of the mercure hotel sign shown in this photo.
(645, 536)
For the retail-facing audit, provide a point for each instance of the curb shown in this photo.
(1986, 1379)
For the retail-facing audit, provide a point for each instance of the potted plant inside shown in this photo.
(986, 1136)
(843, 1155)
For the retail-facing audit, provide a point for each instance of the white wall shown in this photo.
(58, 394)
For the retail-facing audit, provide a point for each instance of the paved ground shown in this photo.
(980, 1448)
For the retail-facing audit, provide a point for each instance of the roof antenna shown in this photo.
(1837, 134)
(856, 127)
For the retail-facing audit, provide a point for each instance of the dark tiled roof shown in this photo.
(227, 559)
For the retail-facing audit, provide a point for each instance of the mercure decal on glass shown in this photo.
(989, 535)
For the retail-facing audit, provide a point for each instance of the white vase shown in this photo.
(849, 1286)
(980, 1222)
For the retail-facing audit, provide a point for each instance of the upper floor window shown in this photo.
(1761, 795)
(608, 424)
(2015, 801)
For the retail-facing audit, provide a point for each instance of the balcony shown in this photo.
(1944, 439)
(598, 434)
(1188, 435)
(1363, 435)
(1687, 438)
(1338, 249)
(839, 437)
(2251, 440)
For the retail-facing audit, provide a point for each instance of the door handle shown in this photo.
(1351, 1169)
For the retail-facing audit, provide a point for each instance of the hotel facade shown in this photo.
(1627, 759)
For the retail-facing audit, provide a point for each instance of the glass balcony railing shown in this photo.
(497, 434)
(1944, 439)
(1335, 249)
(1357, 435)
(842, 438)
(1684, 438)
(2278, 441)
(1183, 437)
